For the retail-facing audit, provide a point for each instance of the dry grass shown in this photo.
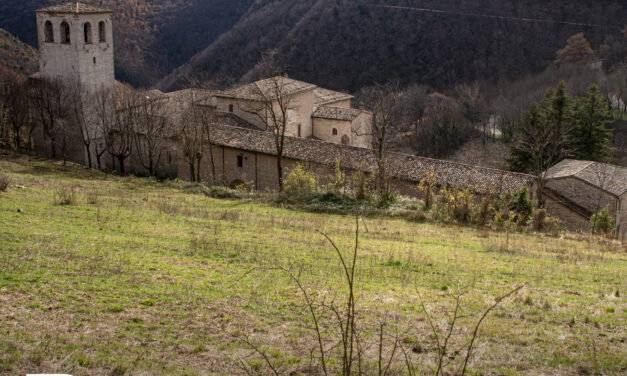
(136, 277)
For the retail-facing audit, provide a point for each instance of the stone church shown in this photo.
(322, 128)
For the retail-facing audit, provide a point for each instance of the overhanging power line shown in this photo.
(491, 16)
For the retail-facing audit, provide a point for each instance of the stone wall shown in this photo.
(584, 194)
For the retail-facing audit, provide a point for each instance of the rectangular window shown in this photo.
(240, 161)
(230, 108)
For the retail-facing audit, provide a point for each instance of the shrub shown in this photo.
(5, 181)
(428, 186)
(361, 183)
(603, 222)
(522, 205)
(538, 221)
(66, 196)
(300, 182)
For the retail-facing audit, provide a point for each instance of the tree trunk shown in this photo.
(87, 150)
(279, 166)
(121, 163)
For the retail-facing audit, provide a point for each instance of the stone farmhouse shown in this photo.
(575, 190)
(323, 130)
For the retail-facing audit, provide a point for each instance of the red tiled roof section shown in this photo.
(402, 166)
(73, 7)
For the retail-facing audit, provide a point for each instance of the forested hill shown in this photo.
(342, 44)
(16, 58)
(345, 44)
(151, 36)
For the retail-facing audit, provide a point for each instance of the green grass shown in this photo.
(133, 276)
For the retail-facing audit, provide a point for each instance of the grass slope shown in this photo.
(140, 277)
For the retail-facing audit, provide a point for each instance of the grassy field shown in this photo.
(107, 275)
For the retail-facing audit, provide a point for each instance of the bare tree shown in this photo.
(14, 112)
(271, 104)
(82, 109)
(151, 123)
(192, 133)
(48, 103)
(115, 110)
(381, 100)
(474, 107)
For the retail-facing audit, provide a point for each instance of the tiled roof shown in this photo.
(336, 113)
(73, 7)
(402, 166)
(201, 96)
(257, 90)
(326, 96)
(610, 178)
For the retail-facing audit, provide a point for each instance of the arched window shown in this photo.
(49, 32)
(334, 131)
(65, 32)
(87, 31)
(102, 32)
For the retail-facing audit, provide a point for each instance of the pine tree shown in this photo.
(592, 134)
(544, 136)
(577, 49)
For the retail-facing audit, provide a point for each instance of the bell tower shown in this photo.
(76, 44)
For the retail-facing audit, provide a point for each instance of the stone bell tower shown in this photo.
(76, 44)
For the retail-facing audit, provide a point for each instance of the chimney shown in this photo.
(361, 106)
(285, 75)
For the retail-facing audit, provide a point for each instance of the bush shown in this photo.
(223, 192)
(603, 222)
(522, 205)
(542, 222)
(65, 196)
(538, 221)
(300, 182)
(5, 181)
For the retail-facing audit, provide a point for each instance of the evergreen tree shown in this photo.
(592, 134)
(544, 136)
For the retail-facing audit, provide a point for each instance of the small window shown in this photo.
(230, 108)
(299, 127)
(49, 32)
(102, 32)
(94, 60)
(240, 161)
(87, 32)
(334, 131)
(65, 33)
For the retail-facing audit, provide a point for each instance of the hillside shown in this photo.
(108, 275)
(151, 36)
(16, 58)
(345, 45)
(340, 44)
